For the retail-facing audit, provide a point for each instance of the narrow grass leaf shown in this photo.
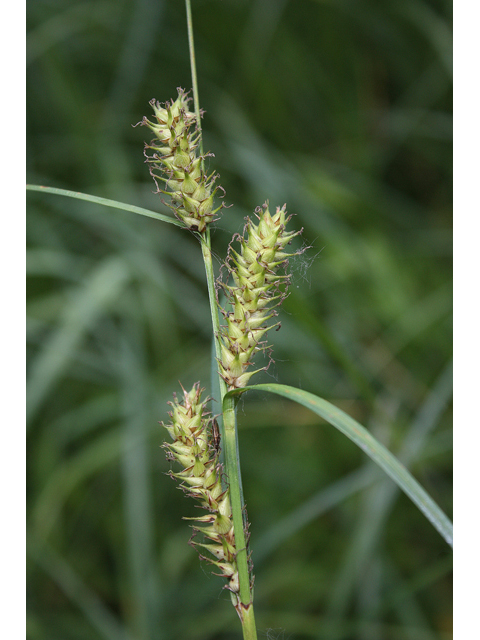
(377, 452)
(370, 524)
(107, 203)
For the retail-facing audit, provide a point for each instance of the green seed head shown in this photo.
(257, 290)
(175, 162)
(201, 478)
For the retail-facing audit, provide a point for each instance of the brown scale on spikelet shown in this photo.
(196, 448)
(257, 290)
(175, 162)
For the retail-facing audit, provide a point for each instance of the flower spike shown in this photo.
(174, 161)
(196, 447)
(256, 291)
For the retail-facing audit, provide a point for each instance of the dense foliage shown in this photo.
(342, 110)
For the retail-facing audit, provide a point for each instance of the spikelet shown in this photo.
(176, 163)
(196, 449)
(257, 290)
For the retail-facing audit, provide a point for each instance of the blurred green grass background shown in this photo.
(342, 109)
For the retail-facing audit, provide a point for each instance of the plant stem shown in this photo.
(232, 462)
(232, 465)
(229, 430)
(207, 259)
(193, 66)
(248, 624)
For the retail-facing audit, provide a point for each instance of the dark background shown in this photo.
(341, 109)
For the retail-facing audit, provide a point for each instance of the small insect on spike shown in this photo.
(175, 162)
(215, 436)
(196, 447)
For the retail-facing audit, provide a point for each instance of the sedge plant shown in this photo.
(245, 298)
(254, 281)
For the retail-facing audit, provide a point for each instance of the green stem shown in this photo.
(229, 430)
(232, 462)
(248, 623)
(207, 259)
(232, 467)
(193, 66)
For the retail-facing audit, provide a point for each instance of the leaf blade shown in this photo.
(106, 202)
(376, 451)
